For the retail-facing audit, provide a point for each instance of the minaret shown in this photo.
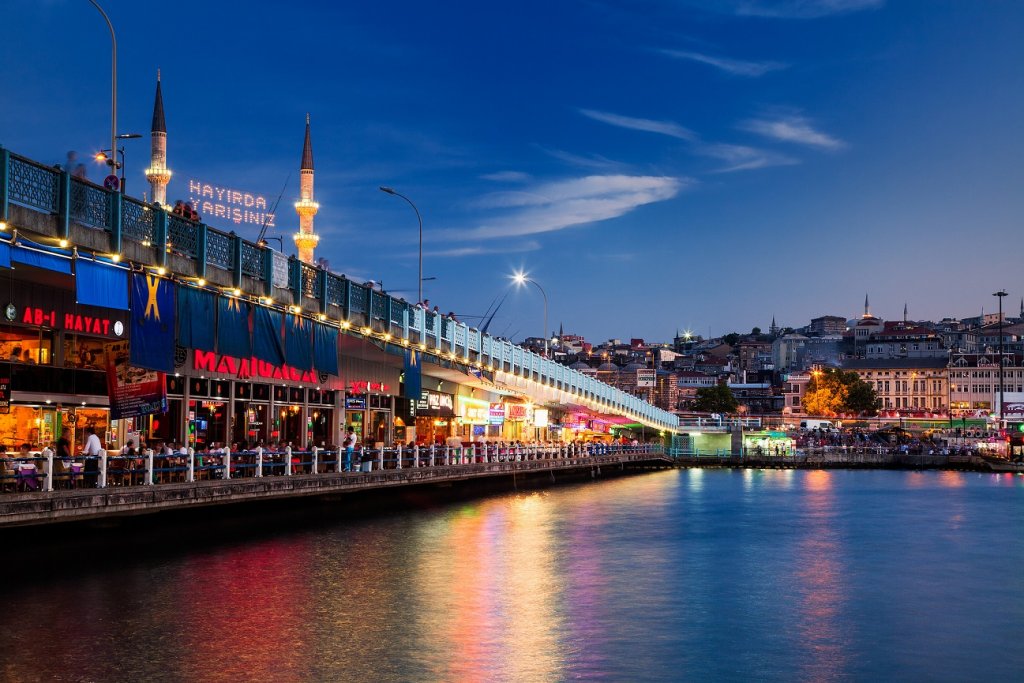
(904, 314)
(305, 239)
(774, 329)
(867, 309)
(158, 174)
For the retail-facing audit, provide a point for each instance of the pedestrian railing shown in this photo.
(48, 473)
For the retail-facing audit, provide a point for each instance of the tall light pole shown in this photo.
(419, 280)
(113, 88)
(521, 279)
(1000, 294)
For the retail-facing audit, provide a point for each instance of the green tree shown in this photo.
(716, 399)
(833, 391)
(731, 338)
(756, 332)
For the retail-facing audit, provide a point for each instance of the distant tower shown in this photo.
(158, 174)
(904, 313)
(305, 239)
(774, 329)
(867, 308)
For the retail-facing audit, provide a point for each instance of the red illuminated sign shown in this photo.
(359, 387)
(73, 322)
(247, 368)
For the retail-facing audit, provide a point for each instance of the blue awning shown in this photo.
(5, 255)
(101, 284)
(47, 260)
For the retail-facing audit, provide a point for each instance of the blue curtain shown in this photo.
(196, 316)
(266, 336)
(101, 284)
(152, 328)
(42, 259)
(325, 348)
(298, 342)
(234, 332)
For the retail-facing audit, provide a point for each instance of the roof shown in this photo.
(307, 150)
(159, 124)
(894, 363)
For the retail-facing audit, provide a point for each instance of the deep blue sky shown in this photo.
(654, 164)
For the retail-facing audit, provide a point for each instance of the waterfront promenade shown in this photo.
(161, 484)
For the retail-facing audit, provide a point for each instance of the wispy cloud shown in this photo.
(669, 128)
(736, 67)
(593, 162)
(792, 128)
(803, 9)
(507, 177)
(557, 205)
(744, 158)
(459, 252)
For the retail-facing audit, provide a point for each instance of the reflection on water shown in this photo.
(822, 581)
(680, 575)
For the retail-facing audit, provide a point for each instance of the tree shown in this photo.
(756, 332)
(716, 399)
(833, 391)
(731, 338)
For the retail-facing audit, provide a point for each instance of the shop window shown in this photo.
(296, 395)
(175, 385)
(280, 395)
(220, 389)
(261, 392)
(32, 346)
(199, 387)
(84, 352)
(243, 390)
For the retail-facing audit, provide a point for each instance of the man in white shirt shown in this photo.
(93, 449)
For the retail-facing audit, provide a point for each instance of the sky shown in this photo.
(653, 165)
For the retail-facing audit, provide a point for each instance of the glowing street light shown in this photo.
(520, 279)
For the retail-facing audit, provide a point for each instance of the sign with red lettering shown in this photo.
(252, 368)
(56, 309)
(360, 387)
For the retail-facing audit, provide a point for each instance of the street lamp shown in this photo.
(520, 279)
(1000, 294)
(419, 280)
(102, 156)
(113, 84)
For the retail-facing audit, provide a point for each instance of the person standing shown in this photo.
(93, 450)
(350, 445)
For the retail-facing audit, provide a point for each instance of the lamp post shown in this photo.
(1000, 294)
(113, 85)
(520, 279)
(102, 156)
(419, 280)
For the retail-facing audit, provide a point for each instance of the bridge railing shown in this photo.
(48, 473)
(264, 274)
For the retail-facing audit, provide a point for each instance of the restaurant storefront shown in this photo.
(435, 417)
(372, 390)
(216, 400)
(52, 351)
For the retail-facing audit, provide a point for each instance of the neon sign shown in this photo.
(247, 368)
(213, 201)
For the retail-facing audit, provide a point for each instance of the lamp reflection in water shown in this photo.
(491, 588)
(822, 583)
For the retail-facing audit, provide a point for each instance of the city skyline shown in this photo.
(773, 159)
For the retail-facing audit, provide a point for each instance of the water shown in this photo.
(687, 575)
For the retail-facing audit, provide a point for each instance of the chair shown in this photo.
(61, 477)
(117, 467)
